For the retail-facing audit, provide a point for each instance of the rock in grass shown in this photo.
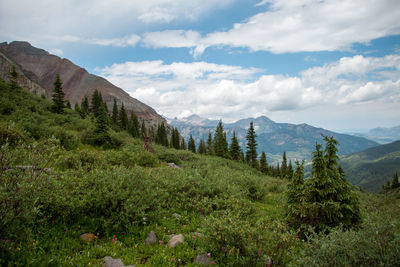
(203, 259)
(88, 237)
(176, 215)
(151, 238)
(110, 262)
(176, 240)
(173, 165)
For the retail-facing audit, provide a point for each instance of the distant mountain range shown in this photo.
(298, 141)
(37, 71)
(382, 135)
(372, 168)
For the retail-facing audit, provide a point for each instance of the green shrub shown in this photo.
(11, 133)
(68, 139)
(169, 157)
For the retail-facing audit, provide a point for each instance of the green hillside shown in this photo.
(65, 201)
(372, 168)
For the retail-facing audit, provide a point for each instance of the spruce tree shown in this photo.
(210, 144)
(263, 163)
(58, 96)
(251, 153)
(290, 170)
(143, 130)
(97, 103)
(220, 143)
(102, 124)
(175, 139)
(183, 144)
(133, 127)
(284, 166)
(395, 181)
(68, 105)
(294, 195)
(84, 107)
(13, 78)
(202, 147)
(191, 144)
(161, 136)
(123, 118)
(235, 148)
(115, 113)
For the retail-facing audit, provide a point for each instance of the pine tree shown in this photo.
(143, 130)
(175, 139)
(210, 146)
(202, 147)
(235, 148)
(58, 96)
(183, 144)
(161, 136)
(13, 78)
(102, 124)
(251, 153)
(133, 127)
(84, 107)
(115, 113)
(263, 163)
(191, 144)
(294, 196)
(97, 103)
(395, 181)
(77, 108)
(290, 170)
(220, 143)
(68, 105)
(284, 166)
(123, 118)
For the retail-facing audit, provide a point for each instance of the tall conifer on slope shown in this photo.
(133, 127)
(251, 153)
(235, 148)
(284, 166)
(210, 144)
(115, 115)
(191, 144)
(123, 118)
(58, 96)
(220, 143)
(97, 103)
(263, 163)
(84, 107)
(202, 147)
(395, 181)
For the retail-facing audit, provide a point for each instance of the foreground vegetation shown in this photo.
(55, 185)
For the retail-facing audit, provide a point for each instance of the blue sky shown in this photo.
(330, 63)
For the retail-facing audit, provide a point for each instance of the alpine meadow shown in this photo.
(200, 133)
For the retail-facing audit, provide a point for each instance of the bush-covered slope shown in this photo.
(56, 186)
(372, 168)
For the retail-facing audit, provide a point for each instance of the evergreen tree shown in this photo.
(102, 124)
(191, 144)
(13, 78)
(251, 153)
(329, 200)
(202, 147)
(68, 105)
(294, 196)
(84, 107)
(97, 103)
(290, 171)
(115, 113)
(395, 181)
(161, 136)
(77, 108)
(220, 143)
(58, 96)
(143, 130)
(133, 127)
(284, 166)
(175, 139)
(123, 118)
(263, 163)
(210, 146)
(235, 148)
(183, 144)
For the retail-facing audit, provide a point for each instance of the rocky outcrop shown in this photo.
(40, 68)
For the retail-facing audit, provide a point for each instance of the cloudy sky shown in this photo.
(330, 63)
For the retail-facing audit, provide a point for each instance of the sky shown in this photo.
(333, 64)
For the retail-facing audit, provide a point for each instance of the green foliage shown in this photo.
(114, 114)
(202, 147)
(123, 118)
(58, 96)
(175, 139)
(84, 107)
(13, 78)
(133, 125)
(191, 144)
(220, 148)
(97, 104)
(210, 146)
(251, 152)
(234, 148)
(161, 136)
(263, 163)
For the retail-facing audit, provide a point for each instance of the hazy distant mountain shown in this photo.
(373, 167)
(38, 69)
(382, 135)
(298, 141)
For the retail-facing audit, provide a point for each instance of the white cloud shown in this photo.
(56, 51)
(232, 92)
(304, 26)
(172, 38)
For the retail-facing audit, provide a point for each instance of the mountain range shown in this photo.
(37, 71)
(382, 135)
(373, 167)
(297, 140)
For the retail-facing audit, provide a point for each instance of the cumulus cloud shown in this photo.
(306, 26)
(232, 92)
(94, 19)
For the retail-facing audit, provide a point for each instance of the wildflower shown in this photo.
(160, 242)
(223, 248)
(259, 252)
(144, 218)
(18, 249)
(208, 254)
(194, 237)
(297, 236)
(179, 260)
(212, 263)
